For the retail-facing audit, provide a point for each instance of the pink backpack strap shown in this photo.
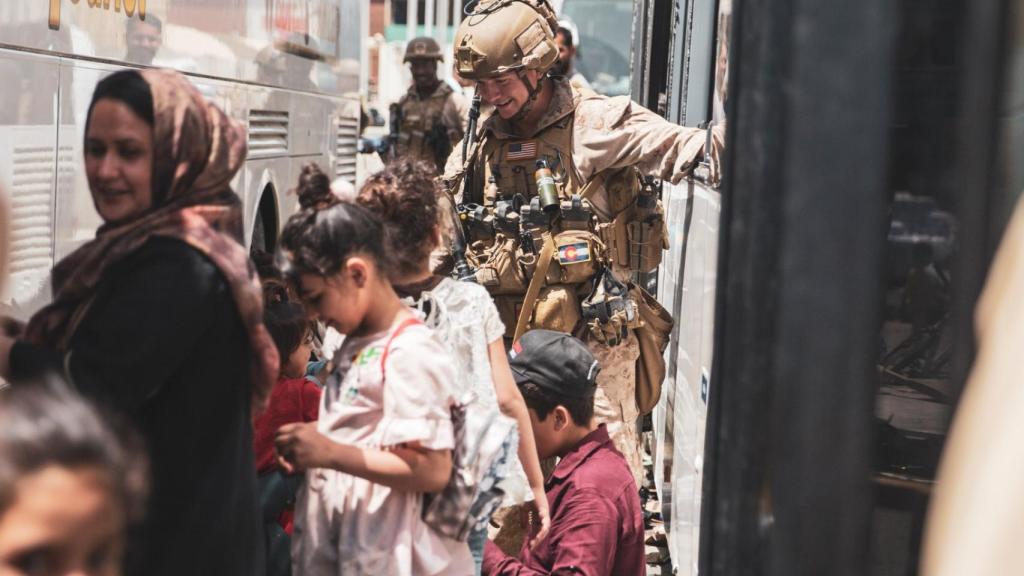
(401, 328)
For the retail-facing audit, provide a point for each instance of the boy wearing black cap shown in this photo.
(596, 524)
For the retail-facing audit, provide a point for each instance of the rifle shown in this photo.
(462, 270)
(468, 182)
(440, 144)
(388, 149)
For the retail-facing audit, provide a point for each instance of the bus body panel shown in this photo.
(687, 289)
(291, 120)
(296, 44)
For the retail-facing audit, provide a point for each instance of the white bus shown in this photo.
(289, 69)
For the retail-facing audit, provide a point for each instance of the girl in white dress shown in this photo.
(405, 197)
(385, 433)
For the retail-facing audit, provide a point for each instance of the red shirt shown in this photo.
(596, 524)
(292, 400)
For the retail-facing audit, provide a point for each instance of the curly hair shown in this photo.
(405, 197)
(314, 188)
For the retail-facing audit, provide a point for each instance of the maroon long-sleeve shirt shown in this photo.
(596, 525)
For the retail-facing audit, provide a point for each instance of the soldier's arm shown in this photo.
(615, 132)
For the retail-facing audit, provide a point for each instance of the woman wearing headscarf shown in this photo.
(159, 319)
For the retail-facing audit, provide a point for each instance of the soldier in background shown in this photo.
(560, 217)
(431, 116)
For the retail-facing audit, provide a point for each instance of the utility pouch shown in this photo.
(616, 238)
(496, 266)
(652, 336)
(647, 233)
(508, 310)
(609, 311)
(557, 309)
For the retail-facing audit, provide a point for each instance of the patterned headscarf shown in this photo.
(197, 150)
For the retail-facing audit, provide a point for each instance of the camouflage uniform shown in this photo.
(603, 227)
(419, 116)
(609, 138)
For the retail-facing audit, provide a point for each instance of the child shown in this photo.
(385, 432)
(68, 485)
(596, 524)
(463, 314)
(294, 397)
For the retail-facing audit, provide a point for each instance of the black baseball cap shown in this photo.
(556, 362)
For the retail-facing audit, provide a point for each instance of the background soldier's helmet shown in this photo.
(506, 35)
(422, 48)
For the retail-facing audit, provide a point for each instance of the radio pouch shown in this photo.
(647, 233)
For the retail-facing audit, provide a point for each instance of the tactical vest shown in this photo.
(606, 229)
(419, 120)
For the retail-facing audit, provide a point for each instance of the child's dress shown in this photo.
(346, 525)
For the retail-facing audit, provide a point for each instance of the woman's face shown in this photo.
(119, 161)
(61, 522)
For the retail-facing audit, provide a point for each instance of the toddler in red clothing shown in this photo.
(295, 398)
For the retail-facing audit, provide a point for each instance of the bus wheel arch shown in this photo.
(266, 224)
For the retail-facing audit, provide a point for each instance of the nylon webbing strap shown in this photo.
(544, 262)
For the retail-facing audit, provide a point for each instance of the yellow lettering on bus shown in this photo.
(130, 8)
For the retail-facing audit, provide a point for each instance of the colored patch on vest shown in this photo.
(574, 253)
(521, 151)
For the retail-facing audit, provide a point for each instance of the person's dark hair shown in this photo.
(543, 402)
(567, 34)
(129, 88)
(150, 19)
(284, 318)
(45, 424)
(321, 241)
(404, 195)
(314, 189)
(266, 269)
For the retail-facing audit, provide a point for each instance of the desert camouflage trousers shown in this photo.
(615, 401)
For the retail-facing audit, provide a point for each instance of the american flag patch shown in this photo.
(521, 151)
(573, 253)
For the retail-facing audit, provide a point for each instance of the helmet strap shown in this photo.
(533, 91)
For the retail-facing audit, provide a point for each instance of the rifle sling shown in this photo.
(547, 253)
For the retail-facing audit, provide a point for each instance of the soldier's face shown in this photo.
(424, 72)
(507, 93)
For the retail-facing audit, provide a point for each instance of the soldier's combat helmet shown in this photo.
(422, 48)
(506, 35)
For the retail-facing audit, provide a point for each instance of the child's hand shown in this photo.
(539, 517)
(301, 446)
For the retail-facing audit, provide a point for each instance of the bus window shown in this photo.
(603, 48)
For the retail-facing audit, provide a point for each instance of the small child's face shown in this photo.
(60, 522)
(335, 299)
(330, 300)
(295, 366)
